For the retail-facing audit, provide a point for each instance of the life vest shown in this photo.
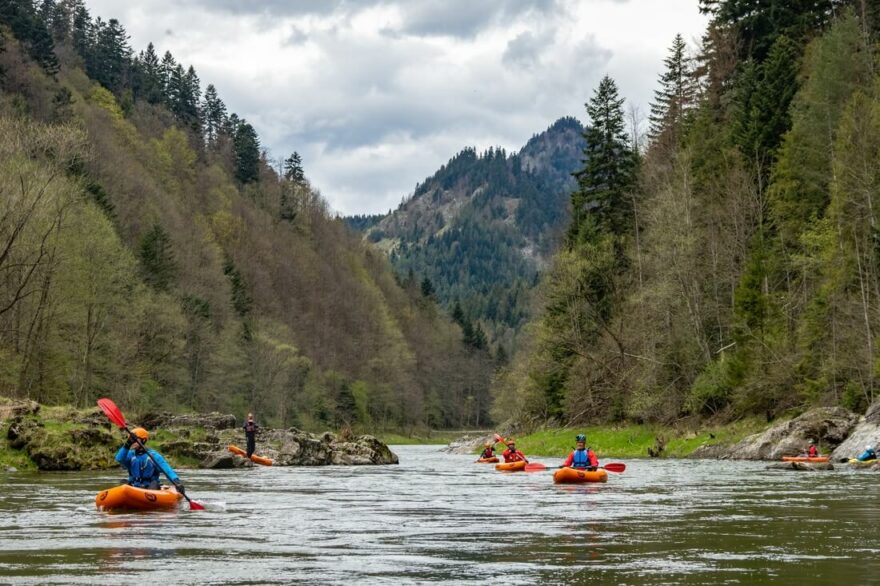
(250, 427)
(813, 452)
(488, 453)
(513, 456)
(581, 459)
(141, 471)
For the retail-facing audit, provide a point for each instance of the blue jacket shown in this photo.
(867, 455)
(141, 470)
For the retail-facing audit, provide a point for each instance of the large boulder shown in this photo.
(294, 447)
(801, 466)
(225, 461)
(865, 433)
(829, 426)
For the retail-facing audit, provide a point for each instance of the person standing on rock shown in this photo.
(250, 432)
(143, 470)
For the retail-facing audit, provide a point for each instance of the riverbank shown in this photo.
(61, 438)
(638, 441)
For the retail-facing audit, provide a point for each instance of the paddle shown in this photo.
(115, 415)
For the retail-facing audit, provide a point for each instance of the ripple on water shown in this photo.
(439, 517)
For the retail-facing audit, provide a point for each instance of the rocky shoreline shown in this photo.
(66, 439)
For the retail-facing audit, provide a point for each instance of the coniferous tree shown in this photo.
(601, 202)
(765, 94)
(427, 287)
(293, 169)
(157, 258)
(214, 115)
(110, 58)
(677, 94)
(166, 71)
(31, 30)
(150, 85)
(247, 153)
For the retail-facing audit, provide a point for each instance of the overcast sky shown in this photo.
(377, 94)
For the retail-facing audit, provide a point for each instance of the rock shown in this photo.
(801, 466)
(11, 469)
(225, 461)
(18, 409)
(188, 449)
(830, 426)
(866, 432)
(207, 420)
(363, 450)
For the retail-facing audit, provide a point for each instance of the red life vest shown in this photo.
(514, 456)
(813, 452)
(488, 453)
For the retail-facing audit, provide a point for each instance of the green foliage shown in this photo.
(247, 153)
(157, 258)
(601, 202)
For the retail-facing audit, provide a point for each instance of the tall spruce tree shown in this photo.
(293, 169)
(247, 153)
(602, 202)
(157, 258)
(765, 94)
(213, 114)
(109, 61)
(677, 94)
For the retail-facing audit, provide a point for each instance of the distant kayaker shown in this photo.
(143, 472)
(868, 454)
(582, 458)
(250, 432)
(813, 451)
(488, 450)
(511, 454)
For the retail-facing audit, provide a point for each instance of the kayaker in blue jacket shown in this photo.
(143, 471)
(868, 454)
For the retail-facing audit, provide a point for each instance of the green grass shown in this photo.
(438, 438)
(633, 441)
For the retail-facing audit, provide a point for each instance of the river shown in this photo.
(438, 517)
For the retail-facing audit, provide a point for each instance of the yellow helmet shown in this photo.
(141, 433)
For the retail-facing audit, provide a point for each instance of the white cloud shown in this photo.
(377, 94)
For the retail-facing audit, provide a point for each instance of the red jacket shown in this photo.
(813, 452)
(514, 456)
(591, 457)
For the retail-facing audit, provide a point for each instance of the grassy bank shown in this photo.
(634, 441)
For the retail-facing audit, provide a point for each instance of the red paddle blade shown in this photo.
(112, 412)
(194, 506)
(615, 467)
(535, 467)
(498, 439)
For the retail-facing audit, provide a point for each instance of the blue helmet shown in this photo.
(580, 438)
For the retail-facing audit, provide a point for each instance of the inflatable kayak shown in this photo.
(138, 499)
(816, 460)
(575, 476)
(492, 460)
(254, 458)
(511, 466)
(856, 463)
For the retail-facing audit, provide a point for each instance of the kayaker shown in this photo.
(868, 454)
(250, 432)
(488, 450)
(142, 470)
(511, 454)
(582, 458)
(812, 451)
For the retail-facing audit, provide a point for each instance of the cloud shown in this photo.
(377, 94)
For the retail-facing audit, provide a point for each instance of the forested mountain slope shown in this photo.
(478, 232)
(734, 269)
(149, 252)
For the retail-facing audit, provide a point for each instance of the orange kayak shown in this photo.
(139, 499)
(816, 460)
(511, 466)
(492, 460)
(254, 458)
(575, 476)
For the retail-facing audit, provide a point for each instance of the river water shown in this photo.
(440, 518)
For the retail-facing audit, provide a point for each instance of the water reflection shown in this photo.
(439, 517)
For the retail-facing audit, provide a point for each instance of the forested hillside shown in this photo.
(149, 252)
(477, 233)
(734, 267)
